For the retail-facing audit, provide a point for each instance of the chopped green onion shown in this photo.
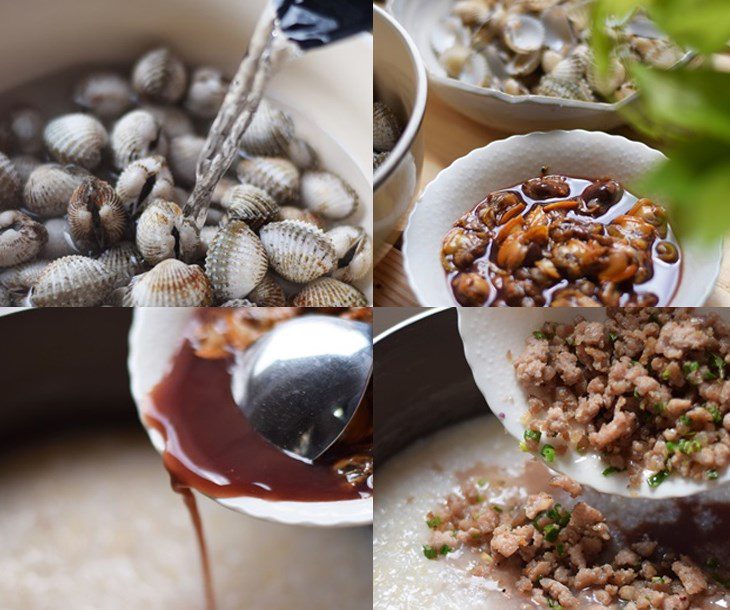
(719, 364)
(434, 522)
(657, 579)
(715, 412)
(551, 532)
(611, 470)
(548, 452)
(553, 604)
(685, 420)
(671, 447)
(612, 336)
(532, 435)
(445, 550)
(665, 374)
(634, 362)
(539, 335)
(660, 408)
(636, 393)
(688, 447)
(708, 375)
(497, 509)
(429, 551)
(560, 549)
(524, 447)
(712, 474)
(690, 367)
(658, 478)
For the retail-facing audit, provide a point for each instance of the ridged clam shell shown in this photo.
(72, 281)
(183, 158)
(172, 283)
(59, 242)
(21, 278)
(250, 204)
(289, 212)
(76, 138)
(207, 90)
(9, 184)
(236, 261)
(104, 94)
(221, 189)
(207, 233)
(298, 251)
(26, 126)
(278, 177)
(143, 181)
(135, 136)
(566, 89)
(268, 293)
(162, 233)
(270, 132)
(160, 76)
(173, 120)
(354, 250)
(49, 189)
(238, 303)
(96, 216)
(386, 128)
(329, 292)
(24, 165)
(123, 262)
(329, 195)
(21, 238)
(301, 154)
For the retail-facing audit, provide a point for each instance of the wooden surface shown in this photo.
(448, 135)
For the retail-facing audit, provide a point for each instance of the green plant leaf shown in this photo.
(701, 25)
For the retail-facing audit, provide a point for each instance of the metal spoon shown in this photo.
(300, 385)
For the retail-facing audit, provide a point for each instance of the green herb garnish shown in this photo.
(612, 336)
(497, 509)
(611, 470)
(532, 435)
(719, 365)
(551, 532)
(560, 549)
(548, 452)
(685, 420)
(429, 552)
(445, 550)
(712, 474)
(715, 412)
(671, 447)
(665, 374)
(690, 367)
(658, 478)
(539, 335)
(434, 522)
(689, 446)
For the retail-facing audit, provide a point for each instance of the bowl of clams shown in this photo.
(99, 140)
(526, 65)
(399, 104)
(551, 219)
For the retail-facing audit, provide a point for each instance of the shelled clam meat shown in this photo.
(542, 47)
(387, 131)
(92, 199)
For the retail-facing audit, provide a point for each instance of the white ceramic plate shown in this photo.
(155, 337)
(504, 163)
(490, 333)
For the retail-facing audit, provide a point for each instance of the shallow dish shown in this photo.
(400, 82)
(501, 164)
(154, 339)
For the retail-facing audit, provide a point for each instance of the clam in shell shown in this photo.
(301, 154)
(59, 242)
(72, 281)
(10, 184)
(96, 216)
(236, 261)
(143, 181)
(49, 189)
(298, 251)
(76, 138)
(123, 262)
(206, 93)
(278, 177)
(250, 204)
(104, 94)
(135, 136)
(21, 238)
(238, 303)
(23, 277)
(386, 128)
(268, 293)
(173, 120)
(24, 165)
(326, 194)
(160, 76)
(183, 158)
(329, 292)
(354, 251)
(270, 132)
(163, 232)
(172, 283)
(289, 212)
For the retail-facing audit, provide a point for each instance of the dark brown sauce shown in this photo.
(211, 447)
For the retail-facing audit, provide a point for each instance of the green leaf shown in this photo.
(702, 25)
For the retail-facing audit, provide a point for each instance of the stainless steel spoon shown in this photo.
(300, 385)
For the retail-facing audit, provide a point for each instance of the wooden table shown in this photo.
(449, 135)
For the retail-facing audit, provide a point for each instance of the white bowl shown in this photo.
(400, 82)
(490, 333)
(501, 111)
(459, 187)
(155, 337)
(329, 89)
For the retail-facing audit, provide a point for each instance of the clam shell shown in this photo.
(26, 126)
(236, 261)
(221, 189)
(173, 120)
(207, 234)
(24, 165)
(21, 238)
(301, 154)
(160, 76)
(21, 278)
(135, 136)
(471, 12)
(10, 184)
(566, 89)
(96, 216)
(143, 181)
(104, 94)
(354, 251)
(59, 242)
(123, 263)
(49, 189)
(72, 281)
(163, 232)
(250, 204)
(289, 212)
(238, 303)
(448, 33)
(326, 194)
(609, 83)
(270, 132)
(329, 292)
(206, 93)
(268, 293)
(386, 128)
(278, 177)
(523, 33)
(172, 283)
(183, 158)
(76, 138)
(298, 251)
